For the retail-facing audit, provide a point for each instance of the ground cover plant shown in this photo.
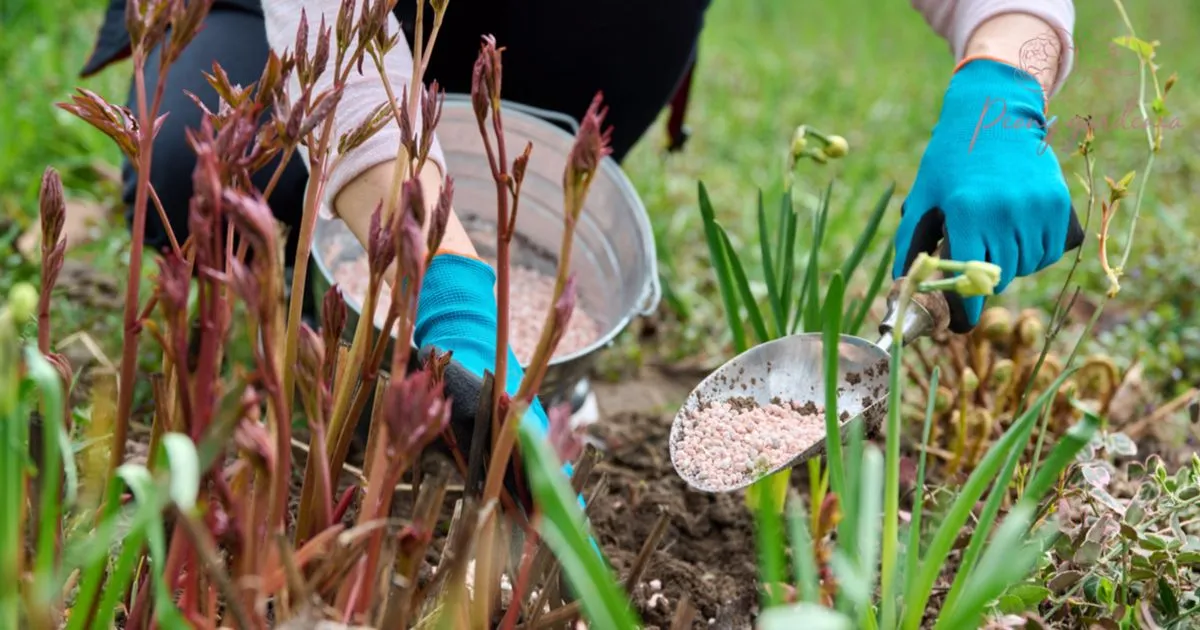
(1117, 515)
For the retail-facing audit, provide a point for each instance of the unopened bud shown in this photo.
(923, 267)
(799, 141)
(1002, 372)
(53, 208)
(970, 381)
(837, 147)
(22, 301)
(381, 241)
(310, 357)
(978, 278)
(943, 399)
(441, 216)
(996, 323)
(1030, 330)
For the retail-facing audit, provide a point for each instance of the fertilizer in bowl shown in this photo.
(728, 443)
(530, 298)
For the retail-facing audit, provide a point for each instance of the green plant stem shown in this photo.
(912, 554)
(891, 488)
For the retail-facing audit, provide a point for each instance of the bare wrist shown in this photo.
(1022, 40)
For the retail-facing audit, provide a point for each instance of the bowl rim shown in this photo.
(651, 295)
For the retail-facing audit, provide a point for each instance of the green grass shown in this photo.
(871, 71)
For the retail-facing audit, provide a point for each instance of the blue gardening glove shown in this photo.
(456, 311)
(989, 183)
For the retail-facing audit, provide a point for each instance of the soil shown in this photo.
(708, 552)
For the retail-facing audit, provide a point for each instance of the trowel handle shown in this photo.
(926, 314)
(936, 240)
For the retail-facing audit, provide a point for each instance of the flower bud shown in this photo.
(978, 278)
(1002, 372)
(837, 147)
(970, 381)
(310, 357)
(591, 146)
(799, 141)
(996, 324)
(53, 209)
(381, 241)
(943, 399)
(923, 267)
(1030, 329)
(441, 216)
(22, 301)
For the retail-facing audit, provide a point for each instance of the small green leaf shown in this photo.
(1188, 558)
(1167, 600)
(1152, 541)
(1099, 589)
(1029, 594)
(1120, 444)
(1135, 471)
(1144, 49)
(1011, 605)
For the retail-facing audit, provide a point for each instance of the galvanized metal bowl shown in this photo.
(613, 255)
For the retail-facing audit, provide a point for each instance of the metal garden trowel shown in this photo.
(792, 369)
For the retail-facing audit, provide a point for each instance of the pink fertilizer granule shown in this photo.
(530, 298)
(730, 443)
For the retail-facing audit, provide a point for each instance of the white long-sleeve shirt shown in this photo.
(953, 20)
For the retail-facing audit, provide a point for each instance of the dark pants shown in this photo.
(558, 54)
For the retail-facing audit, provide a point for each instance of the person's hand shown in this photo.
(988, 183)
(456, 311)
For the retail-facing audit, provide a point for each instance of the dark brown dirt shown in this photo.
(708, 551)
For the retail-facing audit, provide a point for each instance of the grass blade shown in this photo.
(881, 272)
(769, 538)
(870, 508)
(948, 531)
(832, 334)
(1008, 560)
(49, 385)
(721, 267)
(1063, 454)
(743, 286)
(1061, 457)
(803, 563)
(913, 551)
(768, 266)
(812, 275)
(788, 257)
(564, 528)
(786, 216)
(850, 265)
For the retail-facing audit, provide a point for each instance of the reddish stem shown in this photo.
(132, 325)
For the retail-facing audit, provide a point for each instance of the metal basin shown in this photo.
(613, 256)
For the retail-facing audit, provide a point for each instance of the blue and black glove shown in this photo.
(456, 312)
(989, 184)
